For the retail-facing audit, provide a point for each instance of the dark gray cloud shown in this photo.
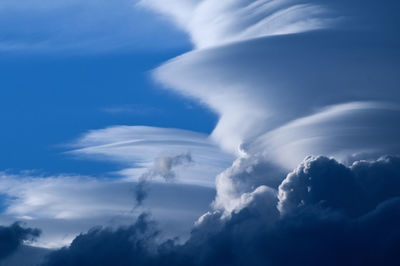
(331, 214)
(353, 190)
(101, 246)
(13, 236)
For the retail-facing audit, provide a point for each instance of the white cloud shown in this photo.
(138, 148)
(211, 23)
(339, 131)
(280, 98)
(259, 85)
(64, 206)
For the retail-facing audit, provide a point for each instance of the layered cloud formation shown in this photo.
(329, 89)
(288, 80)
(153, 152)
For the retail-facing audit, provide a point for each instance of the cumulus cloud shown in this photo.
(305, 224)
(353, 190)
(13, 236)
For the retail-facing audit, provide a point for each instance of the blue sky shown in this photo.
(199, 132)
(54, 99)
(91, 69)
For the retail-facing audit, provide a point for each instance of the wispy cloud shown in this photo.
(132, 109)
(139, 148)
(64, 206)
(211, 23)
(91, 26)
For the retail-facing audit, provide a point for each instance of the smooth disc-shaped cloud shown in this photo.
(359, 129)
(259, 85)
(140, 148)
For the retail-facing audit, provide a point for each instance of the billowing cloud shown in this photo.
(353, 190)
(307, 224)
(13, 236)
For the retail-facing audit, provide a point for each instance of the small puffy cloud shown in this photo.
(162, 167)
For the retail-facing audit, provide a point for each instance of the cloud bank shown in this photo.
(316, 217)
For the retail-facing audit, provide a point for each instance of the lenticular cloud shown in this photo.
(288, 80)
(210, 23)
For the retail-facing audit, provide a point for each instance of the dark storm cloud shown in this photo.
(354, 222)
(354, 190)
(13, 236)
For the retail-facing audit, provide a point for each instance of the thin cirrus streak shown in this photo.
(141, 149)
